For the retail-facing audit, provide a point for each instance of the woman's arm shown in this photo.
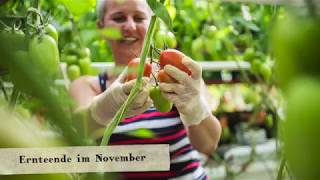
(83, 90)
(205, 136)
(188, 96)
(102, 106)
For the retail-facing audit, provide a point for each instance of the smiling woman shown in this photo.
(188, 127)
(132, 19)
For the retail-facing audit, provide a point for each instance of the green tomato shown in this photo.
(249, 54)
(85, 53)
(244, 40)
(85, 66)
(44, 53)
(171, 40)
(300, 129)
(197, 45)
(209, 44)
(160, 102)
(210, 31)
(10, 43)
(14, 41)
(255, 65)
(52, 31)
(70, 48)
(160, 39)
(73, 72)
(265, 71)
(71, 59)
(18, 78)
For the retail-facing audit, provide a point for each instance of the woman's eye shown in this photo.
(119, 19)
(138, 19)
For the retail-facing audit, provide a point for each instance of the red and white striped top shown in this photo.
(168, 129)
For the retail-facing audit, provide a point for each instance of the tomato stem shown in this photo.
(281, 169)
(157, 50)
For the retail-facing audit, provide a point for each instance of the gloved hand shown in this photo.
(105, 105)
(185, 94)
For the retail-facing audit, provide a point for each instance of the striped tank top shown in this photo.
(167, 129)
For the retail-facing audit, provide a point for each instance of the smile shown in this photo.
(129, 40)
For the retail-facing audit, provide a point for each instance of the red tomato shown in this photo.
(164, 77)
(174, 58)
(133, 67)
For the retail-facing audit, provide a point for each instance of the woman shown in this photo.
(188, 127)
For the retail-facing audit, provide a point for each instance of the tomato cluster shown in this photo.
(167, 57)
(37, 54)
(78, 60)
(163, 37)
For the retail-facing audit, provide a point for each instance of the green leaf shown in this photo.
(161, 11)
(111, 33)
(79, 7)
(142, 133)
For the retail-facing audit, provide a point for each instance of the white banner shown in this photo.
(122, 158)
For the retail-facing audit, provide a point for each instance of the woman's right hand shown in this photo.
(105, 105)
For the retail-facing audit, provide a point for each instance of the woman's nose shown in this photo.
(129, 25)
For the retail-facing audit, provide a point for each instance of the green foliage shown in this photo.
(111, 33)
(160, 11)
(223, 31)
(79, 7)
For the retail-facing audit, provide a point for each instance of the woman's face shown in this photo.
(132, 18)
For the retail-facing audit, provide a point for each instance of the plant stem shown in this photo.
(121, 112)
(281, 169)
(14, 97)
(37, 6)
(4, 90)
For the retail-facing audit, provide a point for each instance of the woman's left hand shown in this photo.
(185, 94)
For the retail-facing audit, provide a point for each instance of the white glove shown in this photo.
(185, 94)
(105, 105)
